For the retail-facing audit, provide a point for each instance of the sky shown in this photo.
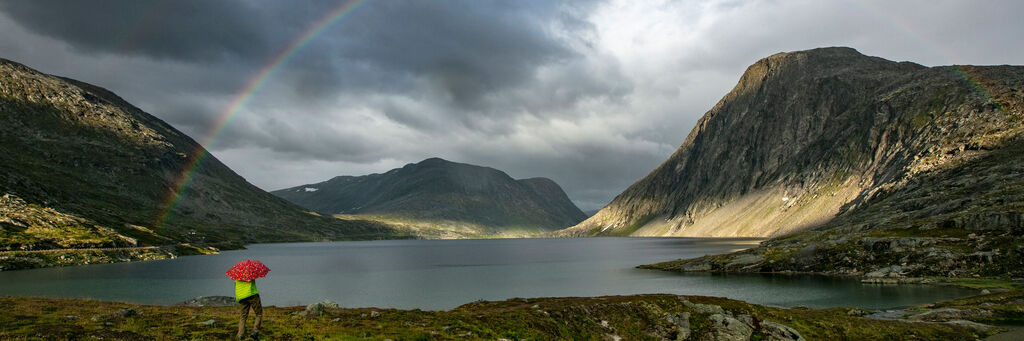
(592, 94)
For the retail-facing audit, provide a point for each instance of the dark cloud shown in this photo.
(593, 94)
(188, 30)
(467, 48)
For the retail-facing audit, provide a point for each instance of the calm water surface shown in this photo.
(443, 274)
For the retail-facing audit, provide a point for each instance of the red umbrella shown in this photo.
(247, 270)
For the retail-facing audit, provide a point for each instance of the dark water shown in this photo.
(442, 274)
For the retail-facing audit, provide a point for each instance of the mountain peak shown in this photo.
(436, 190)
(825, 52)
(434, 160)
(807, 135)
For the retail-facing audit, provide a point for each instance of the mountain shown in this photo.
(80, 167)
(809, 137)
(470, 200)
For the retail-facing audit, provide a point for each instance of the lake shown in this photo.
(443, 274)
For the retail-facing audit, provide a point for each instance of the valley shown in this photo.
(878, 172)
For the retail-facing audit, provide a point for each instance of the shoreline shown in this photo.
(980, 283)
(14, 260)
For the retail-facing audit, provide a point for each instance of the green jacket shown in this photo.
(245, 289)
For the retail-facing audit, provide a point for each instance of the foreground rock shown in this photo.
(640, 317)
(316, 309)
(210, 301)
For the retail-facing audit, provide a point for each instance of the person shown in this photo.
(249, 299)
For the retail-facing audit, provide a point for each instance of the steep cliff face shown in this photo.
(964, 218)
(80, 167)
(806, 136)
(444, 192)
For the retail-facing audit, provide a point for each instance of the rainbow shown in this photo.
(174, 196)
(973, 79)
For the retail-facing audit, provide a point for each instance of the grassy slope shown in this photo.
(82, 168)
(637, 317)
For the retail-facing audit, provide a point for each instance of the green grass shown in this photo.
(639, 317)
(636, 225)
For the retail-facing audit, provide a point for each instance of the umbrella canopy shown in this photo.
(247, 270)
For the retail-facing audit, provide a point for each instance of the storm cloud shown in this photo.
(593, 94)
(190, 30)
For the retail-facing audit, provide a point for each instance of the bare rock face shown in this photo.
(906, 172)
(809, 136)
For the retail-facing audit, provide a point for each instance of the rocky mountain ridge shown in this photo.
(807, 136)
(435, 192)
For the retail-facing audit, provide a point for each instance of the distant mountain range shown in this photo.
(859, 165)
(448, 198)
(80, 167)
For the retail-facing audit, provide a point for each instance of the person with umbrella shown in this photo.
(245, 274)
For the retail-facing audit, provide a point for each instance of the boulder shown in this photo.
(315, 309)
(701, 308)
(779, 332)
(856, 312)
(329, 304)
(120, 314)
(210, 301)
(727, 328)
(679, 326)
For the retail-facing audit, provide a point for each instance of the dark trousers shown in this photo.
(251, 302)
